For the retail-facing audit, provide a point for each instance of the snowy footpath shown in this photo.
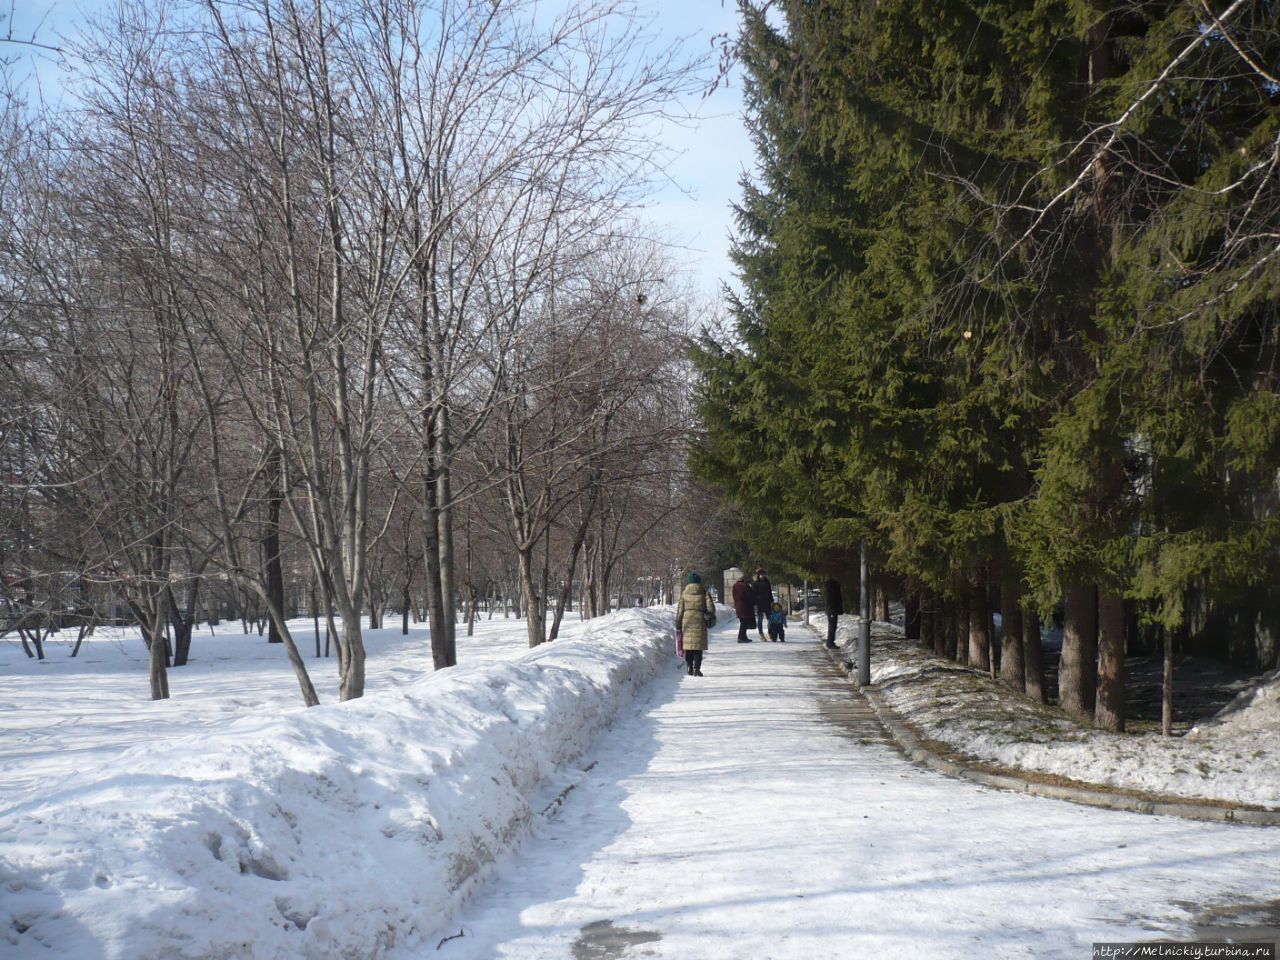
(758, 813)
(582, 801)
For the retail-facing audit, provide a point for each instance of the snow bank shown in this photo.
(1234, 758)
(1253, 711)
(330, 833)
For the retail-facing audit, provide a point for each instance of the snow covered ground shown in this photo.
(229, 822)
(60, 711)
(758, 813)
(1233, 757)
(583, 801)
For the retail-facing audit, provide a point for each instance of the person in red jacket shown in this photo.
(744, 605)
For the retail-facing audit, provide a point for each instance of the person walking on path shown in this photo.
(694, 613)
(764, 600)
(835, 607)
(744, 606)
(778, 624)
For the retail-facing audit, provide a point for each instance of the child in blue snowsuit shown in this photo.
(778, 624)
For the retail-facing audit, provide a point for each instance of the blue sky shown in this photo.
(709, 153)
(712, 153)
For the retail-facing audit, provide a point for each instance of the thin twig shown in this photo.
(447, 939)
(1222, 29)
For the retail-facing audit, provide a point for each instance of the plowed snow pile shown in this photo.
(333, 832)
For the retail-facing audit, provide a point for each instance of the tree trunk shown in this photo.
(37, 642)
(1033, 656)
(351, 663)
(276, 615)
(80, 639)
(159, 661)
(42, 634)
(437, 620)
(562, 602)
(606, 575)
(184, 622)
(330, 627)
(1166, 686)
(546, 572)
(1077, 671)
(536, 621)
(374, 592)
(182, 630)
(575, 550)
(448, 579)
(1109, 711)
(1012, 667)
(144, 626)
(588, 602)
(271, 546)
(911, 616)
(938, 617)
(315, 617)
(979, 626)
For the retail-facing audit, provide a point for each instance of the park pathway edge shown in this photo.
(1017, 781)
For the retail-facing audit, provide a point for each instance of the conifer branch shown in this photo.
(1230, 288)
(1235, 239)
(1115, 127)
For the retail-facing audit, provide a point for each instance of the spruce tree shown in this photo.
(1001, 320)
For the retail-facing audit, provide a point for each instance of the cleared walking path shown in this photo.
(759, 813)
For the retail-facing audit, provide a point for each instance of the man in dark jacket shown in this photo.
(764, 600)
(744, 605)
(835, 607)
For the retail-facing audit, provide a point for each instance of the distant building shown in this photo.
(731, 576)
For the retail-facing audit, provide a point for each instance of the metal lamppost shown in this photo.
(864, 624)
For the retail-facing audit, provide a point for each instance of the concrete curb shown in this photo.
(1009, 779)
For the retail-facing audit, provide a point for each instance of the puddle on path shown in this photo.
(603, 941)
(841, 706)
(852, 718)
(1240, 922)
(1234, 923)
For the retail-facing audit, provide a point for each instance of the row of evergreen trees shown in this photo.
(1011, 271)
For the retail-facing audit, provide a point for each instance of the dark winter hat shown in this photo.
(694, 578)
(759, 569)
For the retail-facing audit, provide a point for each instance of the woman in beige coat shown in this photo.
(693, 611)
